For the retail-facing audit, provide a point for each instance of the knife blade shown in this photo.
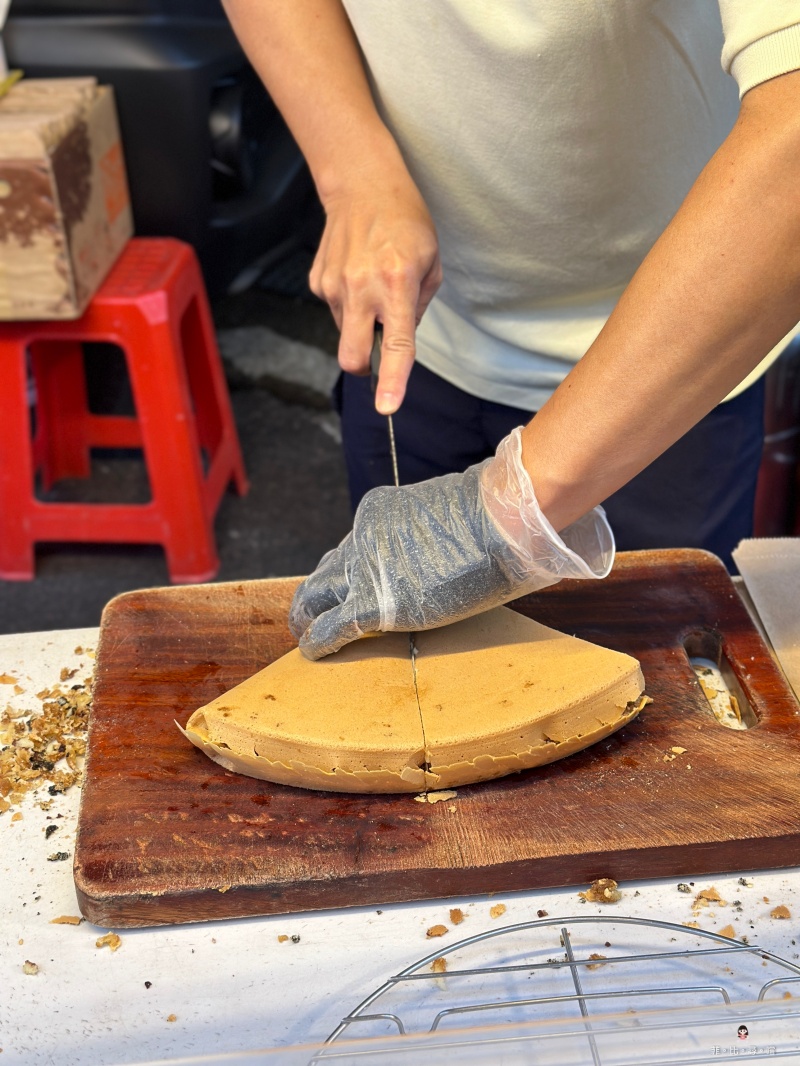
(375, 368)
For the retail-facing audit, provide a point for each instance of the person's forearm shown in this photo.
(307, 56)
(718, 290)
(378, 260)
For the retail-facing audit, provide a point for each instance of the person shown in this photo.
(552, 207)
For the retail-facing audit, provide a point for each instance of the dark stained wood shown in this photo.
(165, 835)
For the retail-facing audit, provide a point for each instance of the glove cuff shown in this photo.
(584, 549)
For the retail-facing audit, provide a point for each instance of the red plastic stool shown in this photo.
(153, 305)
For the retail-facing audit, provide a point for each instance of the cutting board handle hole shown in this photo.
(717, 679)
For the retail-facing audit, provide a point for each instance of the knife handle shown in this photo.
(375, 356)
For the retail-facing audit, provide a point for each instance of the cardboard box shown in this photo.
(64, 207)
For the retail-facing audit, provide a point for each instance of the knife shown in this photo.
(375, 368)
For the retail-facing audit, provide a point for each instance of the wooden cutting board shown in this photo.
(165, 835)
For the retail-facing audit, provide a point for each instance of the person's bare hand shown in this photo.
(378, 261)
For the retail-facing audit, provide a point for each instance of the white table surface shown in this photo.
(230, 984)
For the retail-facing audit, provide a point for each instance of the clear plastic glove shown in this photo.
(425, 555)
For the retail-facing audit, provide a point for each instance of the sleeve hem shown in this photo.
(767, 58)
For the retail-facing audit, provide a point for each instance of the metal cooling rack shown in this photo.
(715, 981)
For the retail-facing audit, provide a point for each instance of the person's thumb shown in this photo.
(330, 632)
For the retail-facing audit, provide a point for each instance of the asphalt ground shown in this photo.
(297, 507)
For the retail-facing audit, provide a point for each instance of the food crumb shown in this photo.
(295, 938)
(436, 930)
(708, 895)
(79, 650)
(497, 910)
(282, 938)
(728, 931)
(66, 919)
(679, 751)
(58, 856)
(604, 890)
(110, 940)
(787, 995)
(16, 817)
(541, 914)
(692, 925)
(780, 912)
(596, 965)
(172, 1017)
(456, 915)
(436, 797)
(66, 674)
(439, 965)
(683, 887)
(29, 967)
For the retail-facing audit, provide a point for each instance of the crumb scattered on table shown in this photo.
(110, 940)
(46, 745)
(66, 919)
(172, 1017)
(439, 965)
(497, 910)
(780, 912)
(29, 967)
(604, 890)
(706, 896)
(728, 931)
(436, 930)
(282, 938)
(595, 965)
(456, 915)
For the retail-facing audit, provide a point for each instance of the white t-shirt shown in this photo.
(553, 140)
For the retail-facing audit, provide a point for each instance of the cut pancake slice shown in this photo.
(484, 697)
(348, 723)
(500, 692)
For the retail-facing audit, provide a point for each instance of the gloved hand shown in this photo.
(425, 555)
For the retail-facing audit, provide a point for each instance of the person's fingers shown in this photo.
(323, 280)
(327, 587)
(357, 333)
(398, 349)
(330, 632)
(429, 287)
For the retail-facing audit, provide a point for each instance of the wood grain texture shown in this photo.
(165, 835)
